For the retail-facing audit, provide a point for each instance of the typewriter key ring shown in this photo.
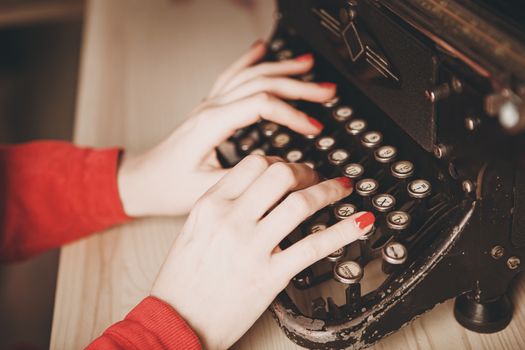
(348, 272)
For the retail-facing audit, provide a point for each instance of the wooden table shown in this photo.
(145, 64)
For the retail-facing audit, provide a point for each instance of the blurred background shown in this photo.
(40, 59)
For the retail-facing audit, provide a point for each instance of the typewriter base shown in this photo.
(488, 317)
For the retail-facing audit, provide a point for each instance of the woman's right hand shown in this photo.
(225, 267)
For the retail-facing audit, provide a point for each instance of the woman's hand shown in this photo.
(225, 267)
(168, 179)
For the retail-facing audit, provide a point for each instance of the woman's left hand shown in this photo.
(170, 177)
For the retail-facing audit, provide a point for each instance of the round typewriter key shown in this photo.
(277, 44)
(337, 255)
(353, 170)
(258, 152)
(356, 126)
(268, 129)
(334, 101)
(343, 113)
(398, 220)
(294, 156)
(402, 169)
(348, 272)
(384, 202)
(366, 187)
(309, 164)
(344, 210)
(325, 143)
(308, 77)
(394, 253)
(281, 140)
(419, 189)
(385, 154)
(372, 139)
(284, 55)
(316, 228)
(246, 144)
(338, 156)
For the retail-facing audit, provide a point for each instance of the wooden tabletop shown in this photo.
(145, 65)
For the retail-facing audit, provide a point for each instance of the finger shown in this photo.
(276, 181)
(254, 54)
(319, 245)
(240, 177)
(300, 65)
(285, 88)
(300, 205)
(218, 123)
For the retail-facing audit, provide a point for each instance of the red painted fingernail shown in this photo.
(318, 125)
(345, 182)
(305, 57)
(365, 220)
(328, 85)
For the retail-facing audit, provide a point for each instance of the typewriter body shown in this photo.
(429, 122)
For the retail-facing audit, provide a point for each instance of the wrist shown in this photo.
(129, 185)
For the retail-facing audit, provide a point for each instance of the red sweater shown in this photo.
(52, 193)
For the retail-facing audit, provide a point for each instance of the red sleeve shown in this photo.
(52, 193)
(151, 325)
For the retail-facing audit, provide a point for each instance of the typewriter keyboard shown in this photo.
(387, 181)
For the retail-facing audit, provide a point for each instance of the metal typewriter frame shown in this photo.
(478, 245)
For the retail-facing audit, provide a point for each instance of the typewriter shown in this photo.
(428, 122)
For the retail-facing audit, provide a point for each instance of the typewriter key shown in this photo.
(268, 129)
(284, 55)
(398, 220)
(316, 228)
(308, 77)
(246, 144)
(356, 127)
(343, 113)
(337, 255)
(385, 154)
(419, 189)
(338, 156)
(325, 143)
(366, 187)
(394, 253)
(334, 101)
(281, 140)
(372, 139)
(258, 152)
(294, 156)
(348, 272)
(344, 210)
(402, 169)
(277, 44)
(384, 202)
(353, 170)
(310, 164)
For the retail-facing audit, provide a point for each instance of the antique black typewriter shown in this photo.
(429, 122)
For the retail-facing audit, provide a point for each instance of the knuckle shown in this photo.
(265, 98)
(311, 251)
(300, 202)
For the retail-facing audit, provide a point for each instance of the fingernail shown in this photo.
(256, 42)
(345, 182)
(365, 220)
(328, 85)
(318, 125)
(305, 57)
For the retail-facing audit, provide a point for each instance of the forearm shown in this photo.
(52, 193)
(151, 325)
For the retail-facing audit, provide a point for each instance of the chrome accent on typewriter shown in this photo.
(428, 121)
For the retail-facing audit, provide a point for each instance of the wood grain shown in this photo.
(145, 64)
